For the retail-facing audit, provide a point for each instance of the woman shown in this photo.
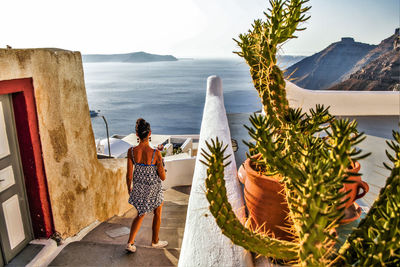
(144, 175)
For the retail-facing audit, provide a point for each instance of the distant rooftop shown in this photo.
(348, 39)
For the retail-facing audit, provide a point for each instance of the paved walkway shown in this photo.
(105, 245)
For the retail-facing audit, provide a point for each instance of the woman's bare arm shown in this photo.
(160, 165)
(129, 171)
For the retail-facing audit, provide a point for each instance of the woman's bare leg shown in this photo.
(137, 222)
(156, 224)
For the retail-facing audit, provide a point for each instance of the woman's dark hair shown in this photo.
(142, 128)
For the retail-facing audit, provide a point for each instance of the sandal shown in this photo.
(130, 248)
(160, 244)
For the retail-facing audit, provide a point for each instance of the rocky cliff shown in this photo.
(330, 66)
(379, 70)
(384, 47)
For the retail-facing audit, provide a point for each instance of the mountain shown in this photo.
(329, 66)
(130, 57)
(285, 61)
(379, 70)
(384, 47)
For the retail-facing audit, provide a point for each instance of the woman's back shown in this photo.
(143, 154)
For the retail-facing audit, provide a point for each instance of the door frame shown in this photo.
(15, 192)
(26, 122)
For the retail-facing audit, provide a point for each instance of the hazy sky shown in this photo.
(184, 28)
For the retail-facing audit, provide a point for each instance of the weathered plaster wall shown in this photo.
(81, 188)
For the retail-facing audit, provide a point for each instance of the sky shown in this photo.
(183, 28)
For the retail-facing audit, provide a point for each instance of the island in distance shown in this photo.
(136, 57)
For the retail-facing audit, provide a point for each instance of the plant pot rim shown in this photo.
(356, 169)
(248, 168)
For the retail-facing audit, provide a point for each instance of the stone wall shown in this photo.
(82, 189)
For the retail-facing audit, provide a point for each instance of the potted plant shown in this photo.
(264, 184)
(312, 167)
(375, 242)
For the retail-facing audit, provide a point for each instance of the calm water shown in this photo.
(170, 95)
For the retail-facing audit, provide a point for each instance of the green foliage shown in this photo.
(226, 219)
(314, 204)
(260, 45)
(314, 170)
(312, 151)
(376, 241)
(177, 151)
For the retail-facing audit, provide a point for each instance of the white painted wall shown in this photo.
(179, 172)
(345, 102)
(203, 243)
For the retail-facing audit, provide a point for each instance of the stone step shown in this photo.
(101, 254)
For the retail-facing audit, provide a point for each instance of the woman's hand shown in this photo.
(160, 147)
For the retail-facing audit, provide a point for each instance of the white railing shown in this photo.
(203, 242)
(187, 145)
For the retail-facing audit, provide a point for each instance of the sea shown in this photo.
(169, 95)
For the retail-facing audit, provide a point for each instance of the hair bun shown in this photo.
(142, 128)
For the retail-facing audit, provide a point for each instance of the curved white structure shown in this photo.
(356, 103)
(203, 243)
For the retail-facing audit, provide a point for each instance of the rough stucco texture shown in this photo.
(203, 243)
(82, 189)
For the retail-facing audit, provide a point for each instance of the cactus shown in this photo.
(317, 170)
(376, 241)
(314, 202)
(259, 48)
(226, 219)
(313, 167)
(314, 171)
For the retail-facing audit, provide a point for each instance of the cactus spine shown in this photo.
(376, 241)
(226, 219)
(314, 168)
(259, 48)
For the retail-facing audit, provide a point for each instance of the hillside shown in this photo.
(136, 57)
(329, 66)
(285, 61)
(384, 47)
(382, 71)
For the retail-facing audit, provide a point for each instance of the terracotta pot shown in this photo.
(355, 187)
(266, 204)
